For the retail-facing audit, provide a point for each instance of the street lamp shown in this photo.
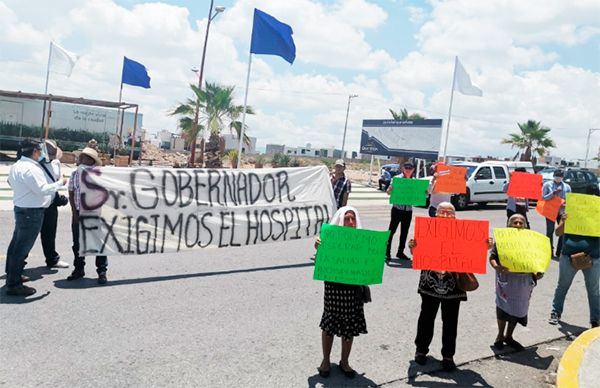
(587, 148)
(211, 16)
(350, 97)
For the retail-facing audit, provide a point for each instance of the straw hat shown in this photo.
(53, 149)
(92, 153)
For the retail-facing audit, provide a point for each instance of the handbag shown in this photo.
(581, 260)
(466, 281)
(363, 294)
(59, 199)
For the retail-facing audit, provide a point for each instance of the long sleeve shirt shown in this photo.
(549, 187)
(30, 184)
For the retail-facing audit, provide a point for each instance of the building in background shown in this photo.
(71, 125)
(273, 149)
(232, 143)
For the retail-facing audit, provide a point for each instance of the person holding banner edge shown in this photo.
(400, 215)
(341, 185)
(87, 159)
(589, 248)
(513, 292)
(343, 308)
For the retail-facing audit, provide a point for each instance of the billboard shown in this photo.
(410, 138)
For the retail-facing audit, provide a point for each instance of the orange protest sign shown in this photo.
(525, 185)
(446, 244)
(550, 208)
(451, 180)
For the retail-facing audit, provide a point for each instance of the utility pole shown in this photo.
(350, 97)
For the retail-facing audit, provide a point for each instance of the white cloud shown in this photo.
(502, 44)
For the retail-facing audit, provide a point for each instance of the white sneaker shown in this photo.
(60, 264)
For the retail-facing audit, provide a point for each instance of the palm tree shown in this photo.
(532, 139)
(186, 111)
(216, 107)
(403, 115)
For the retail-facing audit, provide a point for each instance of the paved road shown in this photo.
(241, 317)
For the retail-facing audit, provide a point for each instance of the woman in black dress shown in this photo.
(343, 313)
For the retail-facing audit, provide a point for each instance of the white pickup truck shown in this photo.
(486, 181)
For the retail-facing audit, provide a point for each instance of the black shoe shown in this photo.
(76, 274)
(20, 291)
(514, 344)
(25, 279)
(499, 344)
(554, 318)
(448, 365)
(401, 255)
(420, 358)
(102, 278)
(324, 373)
(387, 259)
(348, 373)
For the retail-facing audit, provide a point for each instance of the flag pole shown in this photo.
(46, 87)
(119, 114)
(244, 113)
(450, 110)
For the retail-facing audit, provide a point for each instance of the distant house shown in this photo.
(232, 143)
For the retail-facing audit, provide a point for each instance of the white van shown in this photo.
(512, 165)
(485, 183)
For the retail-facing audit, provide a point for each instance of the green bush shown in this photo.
(281, 160)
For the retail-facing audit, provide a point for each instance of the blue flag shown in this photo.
(134, 73)
(270, 36)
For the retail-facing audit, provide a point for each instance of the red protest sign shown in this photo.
(550, 208)
(451, 180)
(525, 185)
(447, 244)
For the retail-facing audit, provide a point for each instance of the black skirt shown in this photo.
(504, 316)
(343, 313)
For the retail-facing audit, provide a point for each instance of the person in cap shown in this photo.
(88, 159)
(516, 205)
(32, 195)
(555, 188)
(401, 215)
(50, 162)
(341, 184)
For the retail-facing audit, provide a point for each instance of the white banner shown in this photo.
(134, 211)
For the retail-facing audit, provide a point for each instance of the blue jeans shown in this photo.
(28, 223)
(566, 274)
(550, 235)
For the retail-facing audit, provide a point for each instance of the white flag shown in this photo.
(463, 82)
(61, 61)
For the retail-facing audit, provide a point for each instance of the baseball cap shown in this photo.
(559, 173)
(408, 165)
(340, 162)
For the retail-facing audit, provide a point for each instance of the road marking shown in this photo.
(570, 363)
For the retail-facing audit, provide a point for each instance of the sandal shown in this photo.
(348, 373)
(514, 344)
(324, 373)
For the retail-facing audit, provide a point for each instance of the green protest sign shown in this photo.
(409, 191)
(350, 256)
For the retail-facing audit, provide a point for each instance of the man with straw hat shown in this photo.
(88, 159)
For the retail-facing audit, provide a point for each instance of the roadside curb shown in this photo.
(570, 363)
(437, 370)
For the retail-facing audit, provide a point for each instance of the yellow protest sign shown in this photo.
(583, 215)
(523, 250)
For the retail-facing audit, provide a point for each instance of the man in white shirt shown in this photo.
(32, 195)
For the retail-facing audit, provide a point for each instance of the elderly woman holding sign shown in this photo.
(578, 253)
(513, 292)
(438, 288)
(343, 313)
